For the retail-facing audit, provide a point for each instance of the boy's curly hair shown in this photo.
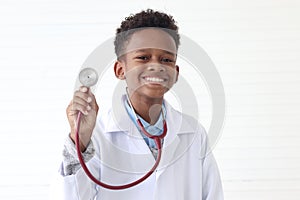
(145, 18)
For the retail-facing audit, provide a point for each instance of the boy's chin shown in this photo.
(151, 91)
(154, 94)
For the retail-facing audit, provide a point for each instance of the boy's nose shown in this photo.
(156, 67)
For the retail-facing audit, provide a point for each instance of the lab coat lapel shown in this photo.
(118, 118)
(179, 138)
(139, 153)
(144, 159)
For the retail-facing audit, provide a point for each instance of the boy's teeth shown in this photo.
(153, 79)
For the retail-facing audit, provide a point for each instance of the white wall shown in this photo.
(255, 46)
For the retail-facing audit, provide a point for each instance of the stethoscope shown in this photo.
(89, 77)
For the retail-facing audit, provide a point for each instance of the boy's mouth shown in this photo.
(154, 79)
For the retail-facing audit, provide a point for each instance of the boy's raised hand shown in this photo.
(83, 101)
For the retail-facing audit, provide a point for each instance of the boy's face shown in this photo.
(149, 64)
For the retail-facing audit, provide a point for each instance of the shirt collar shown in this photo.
(158, 125)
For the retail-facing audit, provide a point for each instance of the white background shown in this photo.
(254, 44)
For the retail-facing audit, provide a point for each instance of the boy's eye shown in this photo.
(167, 60)
(142, 57)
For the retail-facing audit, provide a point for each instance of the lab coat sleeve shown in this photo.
(76, 184)
(70, 159)
(212, 185)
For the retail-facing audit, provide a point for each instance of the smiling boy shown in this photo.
(150, 70)
(113, 145)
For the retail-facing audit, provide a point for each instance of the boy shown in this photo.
(115, 149)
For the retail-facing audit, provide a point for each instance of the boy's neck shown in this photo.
(148, 108)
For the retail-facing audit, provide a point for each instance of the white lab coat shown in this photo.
(187, 170)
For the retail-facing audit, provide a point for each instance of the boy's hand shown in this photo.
(83, 101)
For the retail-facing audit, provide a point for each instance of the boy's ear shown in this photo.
(177, 74)
(119, 69)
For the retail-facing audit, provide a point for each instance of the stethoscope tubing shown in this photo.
(157, 140)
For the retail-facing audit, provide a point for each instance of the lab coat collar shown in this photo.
(120, 121)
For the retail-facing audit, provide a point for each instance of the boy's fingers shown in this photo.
(84, 96)
(78, 107)
(83, 89)
(93, 103)
(81, 102)
(74, 107)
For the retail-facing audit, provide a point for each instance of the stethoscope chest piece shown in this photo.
(88, 77)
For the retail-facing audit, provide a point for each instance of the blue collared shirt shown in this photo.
(155, 129)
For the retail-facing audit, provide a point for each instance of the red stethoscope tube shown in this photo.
(157, 139)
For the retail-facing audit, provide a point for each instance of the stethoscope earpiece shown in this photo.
(88, 77)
